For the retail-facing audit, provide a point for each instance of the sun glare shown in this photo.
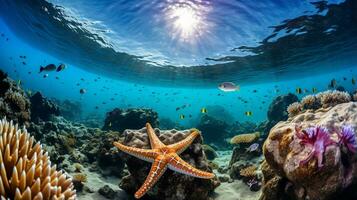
(186, 21)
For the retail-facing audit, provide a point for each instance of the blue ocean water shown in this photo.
(124, 55)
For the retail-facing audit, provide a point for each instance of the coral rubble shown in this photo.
(26, 171)
(311, 155)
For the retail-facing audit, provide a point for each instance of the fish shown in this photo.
(82, 91)
(298, 90)
(45, 75)
(178, 108)
(253, 147)
(19, 82)
(182, 116)
(110, 124)
(353, 81)
(203, 110)
(332, 84)
(248, 113)
(228, 87)
(314, 90)
(48, 68)
(61, 67)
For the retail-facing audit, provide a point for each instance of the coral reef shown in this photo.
(180, 186)
(42, 109)
(250, 171)
(119, 119)
(311, 154)
(245, 138)
(294, 109)
(70, 110)
(324, 99)
(14, 104)
(26, 171)
(213, 130)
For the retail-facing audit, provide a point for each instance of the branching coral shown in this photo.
(347, 138)
(250, 171)
(332, 98)
(25, 169)
(245, 138)
(310, 102)
(318, 138)
(294, 109)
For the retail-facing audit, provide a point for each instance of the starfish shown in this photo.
(162, 157)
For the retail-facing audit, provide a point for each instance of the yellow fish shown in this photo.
(298, 90)
(248, 113)
(203, 110)
(182, 116)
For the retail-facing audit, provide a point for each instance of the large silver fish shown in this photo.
(228, 87)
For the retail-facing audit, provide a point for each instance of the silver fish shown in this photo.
(252, 147)
(228, 87)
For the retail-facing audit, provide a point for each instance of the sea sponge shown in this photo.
(80, 177)
(25, 169)
(331, 98)
(294, 109)
(245, 138)
(310, 102)
(250, 171)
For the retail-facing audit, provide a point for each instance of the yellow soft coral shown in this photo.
(245, 138)
(249, 171)
(25, 169)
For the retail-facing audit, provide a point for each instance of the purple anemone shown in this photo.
(348, 138)
(318, 138)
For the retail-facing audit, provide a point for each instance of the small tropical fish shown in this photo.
(228, 87)
(353, 81)
(314, 90)
(110, 124)
(82, 91)
(248, 113)
(203, 110)
(45, 75)
(19, 82)
(48, 68)
(61, 67)
(182, 116)
(332, 84)
(298, 90)
(178, 108)
(253, 147)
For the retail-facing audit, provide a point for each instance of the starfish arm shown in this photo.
(154, 140)
(178, 165)
(182, 145)
(143, 154)
(158, 168)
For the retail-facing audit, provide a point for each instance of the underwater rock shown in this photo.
(278, 108)
(239, 128)
(213, 130)
(171, 185)
(120, 119)
(26, 169)
(70, 110)
(107, 192)
(14, 103)
(314, 169)
(209, 151)
(42, 109)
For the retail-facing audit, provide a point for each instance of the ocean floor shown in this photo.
(235, 190)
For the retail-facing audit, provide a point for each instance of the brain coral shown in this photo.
(25, 169)
(245, 138)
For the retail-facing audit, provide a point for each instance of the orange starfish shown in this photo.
(163, 156)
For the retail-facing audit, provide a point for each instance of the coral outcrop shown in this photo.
(324, 99)
(312, 155)
(42, 109)
(70, 110)
(26, 171)
(245, 138)
(120, 119)
(14, 104)
(213, 130)
(171, 185)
